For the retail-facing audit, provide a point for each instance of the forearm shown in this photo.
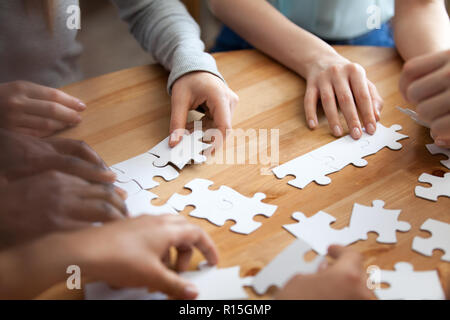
(269, 31)
(168, 32)
(29, 270)
(421, 27)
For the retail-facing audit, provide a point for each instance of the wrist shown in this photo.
(319, 61)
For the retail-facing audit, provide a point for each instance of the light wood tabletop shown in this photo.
(128, 113)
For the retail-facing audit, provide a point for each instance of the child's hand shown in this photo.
(334, 78)
(141, 247)
(195, 89)
(36, 110)
(425, 82)
(344, 280)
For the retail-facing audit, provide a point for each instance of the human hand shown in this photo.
(425, 82)
(336, 77)
(53, 201)
(36, 110)
(24, 155)
(343, 280)
(141, 247)
(200, 88)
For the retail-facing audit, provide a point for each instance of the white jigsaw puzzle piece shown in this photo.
(142, 170)
(440, 186)
(131, 187)
(334, 156)
(434, 149)
(284, 266)
(140, 203)
(223, 204)
(377, 219)
(316, 231)
(189, 148)
(120, 176)
(407, 284)
(440, 239)
(212, 284)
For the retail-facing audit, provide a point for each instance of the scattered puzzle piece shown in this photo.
(142, 170)
(334, 156)
(316, 231)
(212, 284)
(284, 266)
(440, 239)
(189, 148)
(434, 149)
(376, 218)
(140, 203)
(440, 186)
(221, 205)
(405, 283)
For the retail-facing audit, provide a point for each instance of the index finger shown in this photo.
(221, 113)
(178, 118)
(345, 257)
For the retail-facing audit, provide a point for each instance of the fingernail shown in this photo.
(312, 124)
(337, 131)
(439, 143)
(173, 137)
(371, 128)
(82, 105)
(190, 292)
(356, 133)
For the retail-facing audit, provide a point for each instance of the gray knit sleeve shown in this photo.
(166, 30)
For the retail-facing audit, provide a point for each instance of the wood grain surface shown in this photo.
(128, 112)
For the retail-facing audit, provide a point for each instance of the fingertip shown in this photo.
(190, 292)
(312, 124)
(356, 133)
(337, 131)
(371, 129)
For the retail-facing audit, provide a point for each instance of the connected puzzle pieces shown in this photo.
(407, 284)
(284, 266)
(317, 232)
(334, 156)
(189, 149)
(434, 149)
(440, 239)
(440, 186)
(223, 204)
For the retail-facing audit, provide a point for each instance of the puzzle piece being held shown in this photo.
(440, 239)
(334, 156)
(188, 149)
(316, 231)
(434, 149)
(142, 170)
(377, 219)
(440, 186)
(407, 284)
(223, 204)
(212, 283)
(284, 266)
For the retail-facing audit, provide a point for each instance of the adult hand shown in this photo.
(343, 280)
(54, 201)
(140, 246)
(24, 155)
(36, 110)
(200, 88)
(425, 82)
(333, 77)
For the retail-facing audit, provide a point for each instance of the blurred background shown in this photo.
(109, 46)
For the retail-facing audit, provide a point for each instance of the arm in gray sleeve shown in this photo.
(166, 30)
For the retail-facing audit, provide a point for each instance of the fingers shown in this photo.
(96, 210)
(109, 196)
(347, 104)
(311, 100)
(39, 92)
(434, 107)
(426, 86)
(346, 257)
(329, 107)
(440, 130)
(39, 124)
(419, 67)
(221, 112)
(377, 100)
(178, 117)
(184, 255)
(52, 110)
(171, 283)
(78, 149)
(360, 89)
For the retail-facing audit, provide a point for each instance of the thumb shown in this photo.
(178, 118)
(172, 284)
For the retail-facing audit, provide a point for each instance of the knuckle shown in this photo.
(335, 70)
(346, 98)
(53, 94)
(19, 85)
(52, 109)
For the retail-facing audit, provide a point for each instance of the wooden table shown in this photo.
(128, 112)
